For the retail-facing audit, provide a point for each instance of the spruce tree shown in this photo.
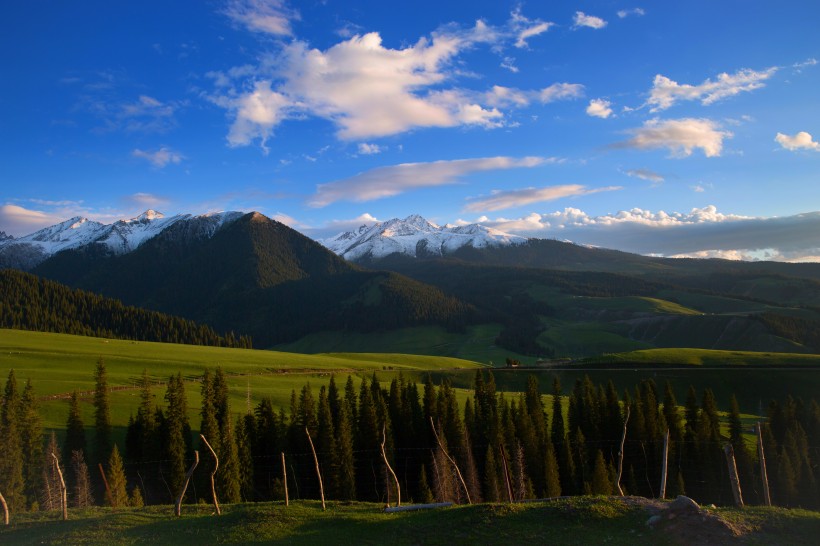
(175, 431)
(344, 483)
(81, 495)
(552, 478)
(245, 433)
(75, 430)
(11, 455)
(228, 480)
(116, 480)
(600, 483)
(31, 443)
(102, 413)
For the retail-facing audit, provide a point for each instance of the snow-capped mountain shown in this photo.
(121, 237)
(414, 236)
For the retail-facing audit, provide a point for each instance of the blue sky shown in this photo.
(673, 128)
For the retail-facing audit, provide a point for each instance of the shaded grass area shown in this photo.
(569, 521)
(704, 357)
(566, 521)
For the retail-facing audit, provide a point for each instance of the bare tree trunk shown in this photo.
(664, 468)
(384, 456)
(63, 494)
(507, 480)
(621, 456)
(763, 476)
(178, 506)
(730, 461)
(107, 489)
(285, 479)
(213, 473)
(464, 485)
(5, 509)
(318, 471)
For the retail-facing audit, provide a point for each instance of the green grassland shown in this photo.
(705, 357)
(57, 364)
(576, 520)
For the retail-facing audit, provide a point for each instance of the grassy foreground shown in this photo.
(577, 520)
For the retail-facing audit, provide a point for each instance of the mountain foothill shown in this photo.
(255, 278)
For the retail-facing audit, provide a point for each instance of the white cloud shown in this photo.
(146, 200)
(702, 230)
(16, 220)
(800, 141)
(666, 92)
(599, 108)
(500, 200)
(646, 174)
(265, 16)
(146, 114)
(560, 91)
(160, 158)
(529, 32)
(396, 179)
(581, 19)
(634, 11)
(370, 149)
(679, 136)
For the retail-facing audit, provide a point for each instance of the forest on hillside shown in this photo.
(32, 303)
(494, 447)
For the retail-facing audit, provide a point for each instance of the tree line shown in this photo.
(32, 303)
(493, 447)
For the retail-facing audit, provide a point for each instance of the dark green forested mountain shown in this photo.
(259, 277)
(30, 303)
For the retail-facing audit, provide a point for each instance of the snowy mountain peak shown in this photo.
(121, 237)
(414, 236)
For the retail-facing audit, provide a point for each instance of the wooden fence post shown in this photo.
(390, 468)
(107, 489)
(63, 495)
(178, 506)
(216, 467)
(318, 471)
(5, 509)
(664, 469)
(507, 480)
(285, 479)
(621, 456)
(730, 461)
(763, 476)
(453, 461)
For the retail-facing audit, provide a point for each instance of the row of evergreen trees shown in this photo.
(31, 303)
(525, 444)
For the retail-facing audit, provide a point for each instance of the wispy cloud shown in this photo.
(646, 174)
(581, 19)
(634, 11)
(680, 136)
(366, 148)
(500, 200)
(800, 141)
(599, 108)
(396, 179)
(142, 200)
(146, 114)
(264, 16)
(666, 92)
(159, 158)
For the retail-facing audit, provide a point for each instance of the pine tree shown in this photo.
(74, 434)
(245, 433)
(344, 483)
(552, 478)
(175, 432)
(492, 489)
(424, 491)
(102, 413)
(743, 459)
(559, 440)
(31, 440)
(116, 480)
(600, 483)
(228, 478)
(81, 496)
(11, 455)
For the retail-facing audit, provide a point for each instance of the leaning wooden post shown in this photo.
(285, 479)
(665, 461)
(621, 456)
(390, 468)
(507, 480)
(213, 473)
(463, 484)
(763, 476)
(5, 509)
(107, 489)
(63, 494)
(318, 471)
(730, 461)
(178, 505)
